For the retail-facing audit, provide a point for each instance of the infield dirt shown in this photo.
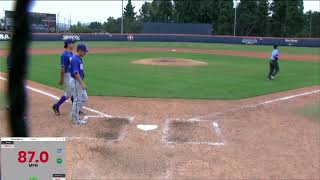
(268, 141)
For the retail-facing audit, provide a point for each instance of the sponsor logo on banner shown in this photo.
(291, 41)
(4, 36)
(249, 41)
(130, 38)
(74, 37)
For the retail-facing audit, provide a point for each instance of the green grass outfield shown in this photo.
(241, 47)
(225, 77)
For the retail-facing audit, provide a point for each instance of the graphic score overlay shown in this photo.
(33, 158)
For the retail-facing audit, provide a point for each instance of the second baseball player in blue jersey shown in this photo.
(65, 62)
(79, 88)
(65, 75)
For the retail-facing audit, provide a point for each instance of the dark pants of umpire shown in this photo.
(274, 68)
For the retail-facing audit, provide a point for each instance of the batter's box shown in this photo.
(102, 128)
(113, 129)
(192, 132)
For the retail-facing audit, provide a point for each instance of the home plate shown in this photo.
(173, 50)
(145, 127)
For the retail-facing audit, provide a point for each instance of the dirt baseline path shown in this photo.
(298, 57)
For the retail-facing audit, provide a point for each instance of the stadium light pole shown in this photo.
(4, 18)
(122, 18)
(69, 21)
(58, 28)
(310, 25)
(5, 21)
(235, 19)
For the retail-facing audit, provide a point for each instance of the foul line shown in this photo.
(57, 98)
(259, 104)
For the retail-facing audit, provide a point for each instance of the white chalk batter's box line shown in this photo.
(215, 128)
(122, 134)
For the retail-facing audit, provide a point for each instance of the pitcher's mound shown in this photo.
(170, 62)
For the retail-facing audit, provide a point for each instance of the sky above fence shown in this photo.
(88, 11)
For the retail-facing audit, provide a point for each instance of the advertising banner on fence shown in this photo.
(74, 37)
(291, 42)
(249, 41)
(5, 36)
(299, 42)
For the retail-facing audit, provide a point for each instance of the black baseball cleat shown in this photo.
(270, 78)
(81, 113)
(56, 110)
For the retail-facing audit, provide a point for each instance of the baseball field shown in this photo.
(217, 115)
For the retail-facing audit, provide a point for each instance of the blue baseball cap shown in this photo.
(82, 47)
(69, 41)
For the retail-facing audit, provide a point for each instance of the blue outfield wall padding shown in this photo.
(298, 42)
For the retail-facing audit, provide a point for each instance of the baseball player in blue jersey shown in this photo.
(79, 88)
(274, 66)
(65, 75)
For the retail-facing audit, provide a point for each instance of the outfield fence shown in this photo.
(298, 42)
